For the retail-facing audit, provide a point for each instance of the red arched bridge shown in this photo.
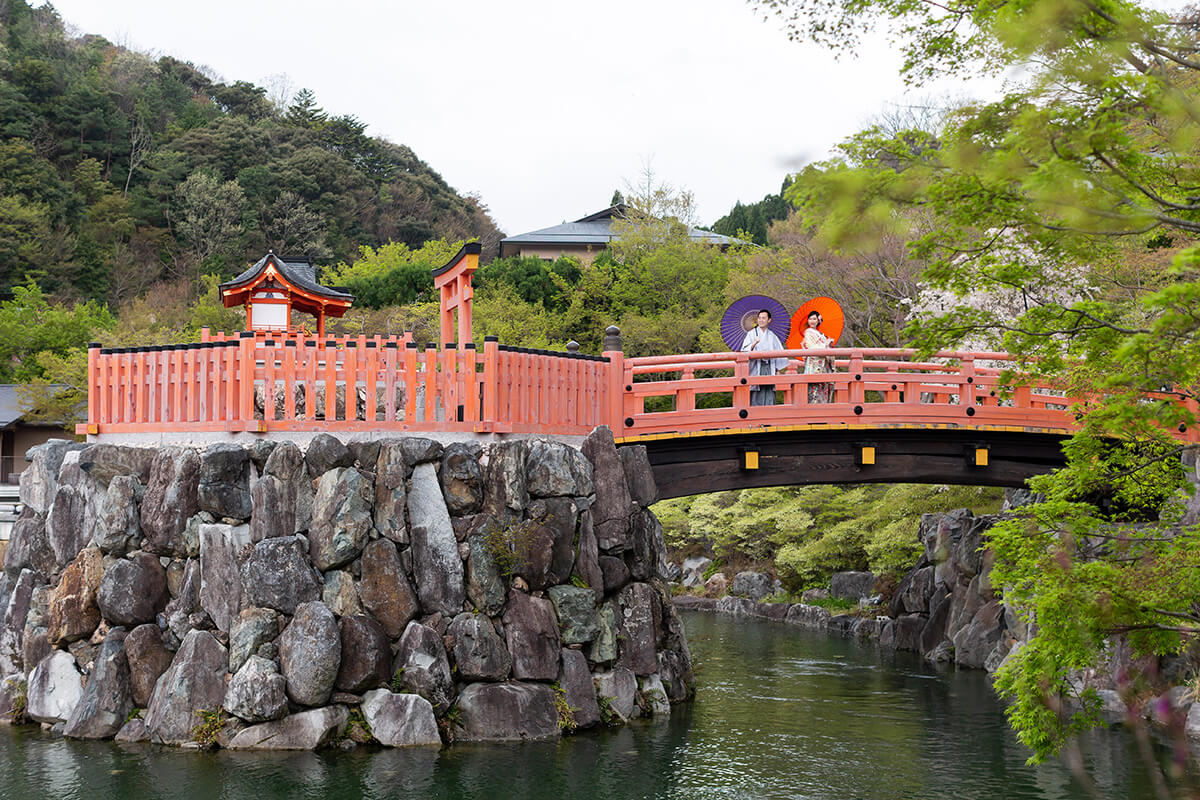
(893, 418)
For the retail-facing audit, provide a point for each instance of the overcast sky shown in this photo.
(542, 107)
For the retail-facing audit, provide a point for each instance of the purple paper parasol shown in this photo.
(742, 315)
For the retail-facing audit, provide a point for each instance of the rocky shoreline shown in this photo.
(946, 610)
(395, 591)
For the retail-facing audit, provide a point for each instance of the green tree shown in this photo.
(1088, 164)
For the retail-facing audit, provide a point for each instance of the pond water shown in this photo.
(780, 712)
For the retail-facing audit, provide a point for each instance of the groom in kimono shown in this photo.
(763, 339)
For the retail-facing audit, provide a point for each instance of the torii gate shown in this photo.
(453, 283)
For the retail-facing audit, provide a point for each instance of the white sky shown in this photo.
(542, 107)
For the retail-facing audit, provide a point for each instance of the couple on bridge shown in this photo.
(763, 339)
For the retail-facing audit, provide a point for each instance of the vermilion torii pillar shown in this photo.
(453, 283)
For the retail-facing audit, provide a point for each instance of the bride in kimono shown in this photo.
(815, 340)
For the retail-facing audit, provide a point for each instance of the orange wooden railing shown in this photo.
(349, 384)
(278, 382)
(869, 387)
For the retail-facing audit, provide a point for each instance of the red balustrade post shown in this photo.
(94, 390)
(857, 392)
(966, 389)
(247, 355)
(614, 386)
(491, 378)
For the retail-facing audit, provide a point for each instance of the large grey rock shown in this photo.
(390, 494)
(807, 616)
(119, 523)
(310, 653)
(257, 692)
(587, 557)
(341, 594)
(251, 629)
(422, 666)
(184, 604)
(29, 546)
(400, 720)
(194, 682)
(221, 592)
(148, 658)
(384, 588)
(619, 686)
(485, 585)
(462, 478)
(478, 651)
(647, 553)
(108, 697)
(654, 695)
(752, 585)
(133, 590)
(419, 450)
(693, 570)
(366, 655)
(906, 631)
(603, 648)
(576, 611)
(133, 732)
(507, 711)
(638, 474)
(170, 500)
(505, 489)
(546, 545)
(307, 730)
(55, 688)
(273, 509)
(39, 481)
(437, 568)
(974, 643)
(580, 690)
(852, 586)
(531, 633)
(67, 528)
(224, 485)
(73, 612)
(913, 593)
(104, 462)
(639, 628)
(20, 598)
(341, 522)
(611, 511)
(327, 453)
(286, 463)
(555, 469)
(277, 575)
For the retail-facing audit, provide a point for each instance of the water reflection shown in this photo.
(780, 713)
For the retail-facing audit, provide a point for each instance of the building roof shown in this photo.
(597, 229)
(11, 410)
(299, 272)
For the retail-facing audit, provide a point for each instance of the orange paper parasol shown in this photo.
(832, 321)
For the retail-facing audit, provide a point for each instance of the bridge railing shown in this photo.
(868, 386)
(346, 384)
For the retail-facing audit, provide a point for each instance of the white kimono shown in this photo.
(767, 340)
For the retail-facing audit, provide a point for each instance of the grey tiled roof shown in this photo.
(301, 273)
(597, 229)
(10, 403)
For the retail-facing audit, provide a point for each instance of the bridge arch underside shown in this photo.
(714, 461)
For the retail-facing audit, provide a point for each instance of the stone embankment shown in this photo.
(945, 608)
(394, 590)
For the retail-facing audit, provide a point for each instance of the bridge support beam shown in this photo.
(688, 465)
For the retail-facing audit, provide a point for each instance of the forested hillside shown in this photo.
(118, 170)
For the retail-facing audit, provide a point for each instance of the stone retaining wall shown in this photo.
(401, 589)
